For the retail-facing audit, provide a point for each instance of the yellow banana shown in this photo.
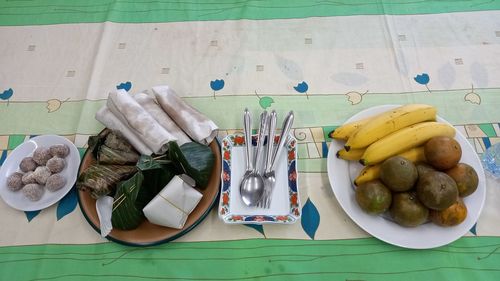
(345, 131)
(415, 154)
(353, 154)
(404, 139)
(388, 122)
(369, 173)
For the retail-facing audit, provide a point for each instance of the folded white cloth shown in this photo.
(108, 119)
(173, 204)
(190, 120)
(131, 113)
(104, 207)
(150, 104)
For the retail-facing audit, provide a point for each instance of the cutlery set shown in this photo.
(258, 182)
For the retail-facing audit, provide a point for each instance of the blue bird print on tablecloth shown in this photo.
(302, 88)
(217, 85)
(124, 86)
(6, 95)
(423, 79)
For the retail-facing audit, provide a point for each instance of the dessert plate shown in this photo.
(16, 199)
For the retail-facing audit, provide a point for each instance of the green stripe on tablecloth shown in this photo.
(473, 258)
(84, 11)
(488, 130)
(318, 111)
(312, 165)
(15, 140)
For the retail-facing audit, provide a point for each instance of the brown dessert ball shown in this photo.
(59, 150)
(15, 181)
(41, 155)
(55, 182)
(56, 164)
(28, 178)
(27, 164)
(41, 174)
(33, 191)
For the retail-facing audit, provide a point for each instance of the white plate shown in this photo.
(342, 173)
(16, 199)
(285, 204)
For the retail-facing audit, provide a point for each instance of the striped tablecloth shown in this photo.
(326, 60)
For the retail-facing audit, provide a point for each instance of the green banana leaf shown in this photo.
(125, 213)
(147, 162)
(194, 159)
(135, 186)
(157, 173)
(134, 194)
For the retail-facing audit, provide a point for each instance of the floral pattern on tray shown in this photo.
(238, 140)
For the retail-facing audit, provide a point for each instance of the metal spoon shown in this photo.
(252, 185)
(269, 175)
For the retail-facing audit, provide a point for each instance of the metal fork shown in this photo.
(269, 174)
(268, 182)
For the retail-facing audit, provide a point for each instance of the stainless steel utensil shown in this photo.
(269, 174)
(264, 118)
(252, 184)
(268, 182)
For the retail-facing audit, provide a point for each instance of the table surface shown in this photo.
(326, 60)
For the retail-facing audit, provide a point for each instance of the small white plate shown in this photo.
(16, 199)
(285, 204)
(342, 173)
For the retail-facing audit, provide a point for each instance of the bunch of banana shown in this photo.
(399, 131)
(388, 122)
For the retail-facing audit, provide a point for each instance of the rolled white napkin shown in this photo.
(172, 205)
(108, 119)
(190, 120)
(104, 207)
(139, 120)
(150, 104)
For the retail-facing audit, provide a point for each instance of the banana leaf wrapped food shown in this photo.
(194, 159)
(134, 180)
(115, 141)
(108, 155)
(132, 195)
(111, 148)
(101, 180)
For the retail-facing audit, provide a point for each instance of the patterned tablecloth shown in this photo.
(326, 60)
